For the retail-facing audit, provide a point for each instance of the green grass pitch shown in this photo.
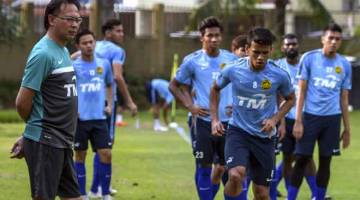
(148, 165)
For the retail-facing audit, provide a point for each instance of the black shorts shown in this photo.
(289, 141)
(51, 171)
(254, 153)
(323, 129)
(94, 130)
(208, 146)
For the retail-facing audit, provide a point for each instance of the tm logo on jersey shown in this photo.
(93, 86)
(257, 102)
(71, 88)
(328, 82)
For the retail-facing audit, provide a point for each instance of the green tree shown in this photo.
(224, 9)
(10, 26)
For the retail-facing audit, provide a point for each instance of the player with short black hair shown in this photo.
(256, 82)
(290, 48)
(324, 84)
(201, 68)
(94, 88)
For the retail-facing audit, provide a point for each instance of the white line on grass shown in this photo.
(182, 133)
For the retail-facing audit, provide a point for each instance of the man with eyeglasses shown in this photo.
(47, 102)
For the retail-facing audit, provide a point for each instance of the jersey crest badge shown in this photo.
(222, 65)
(338, 69)
(99, 70)
(265, 84)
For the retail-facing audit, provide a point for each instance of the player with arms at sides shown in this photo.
(324, 84)
(109, 48)
(94, 87)
(290, 48)
(256, 82)
(201, 68)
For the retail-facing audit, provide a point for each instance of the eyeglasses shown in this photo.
(70, 19)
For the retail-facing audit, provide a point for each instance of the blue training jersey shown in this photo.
(203, 70)
(293, 71)
(325, 77)
(92, 79)
(254, 93)
(113, 54)
(162, 88)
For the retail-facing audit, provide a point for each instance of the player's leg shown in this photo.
(68, 188)
(261, 166)
(191, 123)
(110, 120)
(204, 157)
(43, 181)
(102, 143)
(216, 174)
(236, 157)
(328, 142)
(304, 151)
(310, 176)
(119, 119)
(219, 161)
(80, 147)
(277, 171)
(288, 148)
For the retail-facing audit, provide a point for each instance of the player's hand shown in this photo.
(17, 150)
(108, 110)
(345, 137)
(229, 111)
(196, 110)
(282, 130)
(298, 130)
(268, 126)
(217, 128)
(133, 108)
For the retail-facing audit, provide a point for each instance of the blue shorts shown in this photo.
(151, 94)
(323, 129)
(94, 130)
(288, 143)
(254, 153)
(207, 145)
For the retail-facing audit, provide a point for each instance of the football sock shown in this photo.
(204, 183)
(96, 179)
(292, 192)
(215, 189)
(81, 176)
(275, 182)
(321, 192)
(311, 181)
(105, 177)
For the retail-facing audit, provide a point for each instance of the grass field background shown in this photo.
(149, 165)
